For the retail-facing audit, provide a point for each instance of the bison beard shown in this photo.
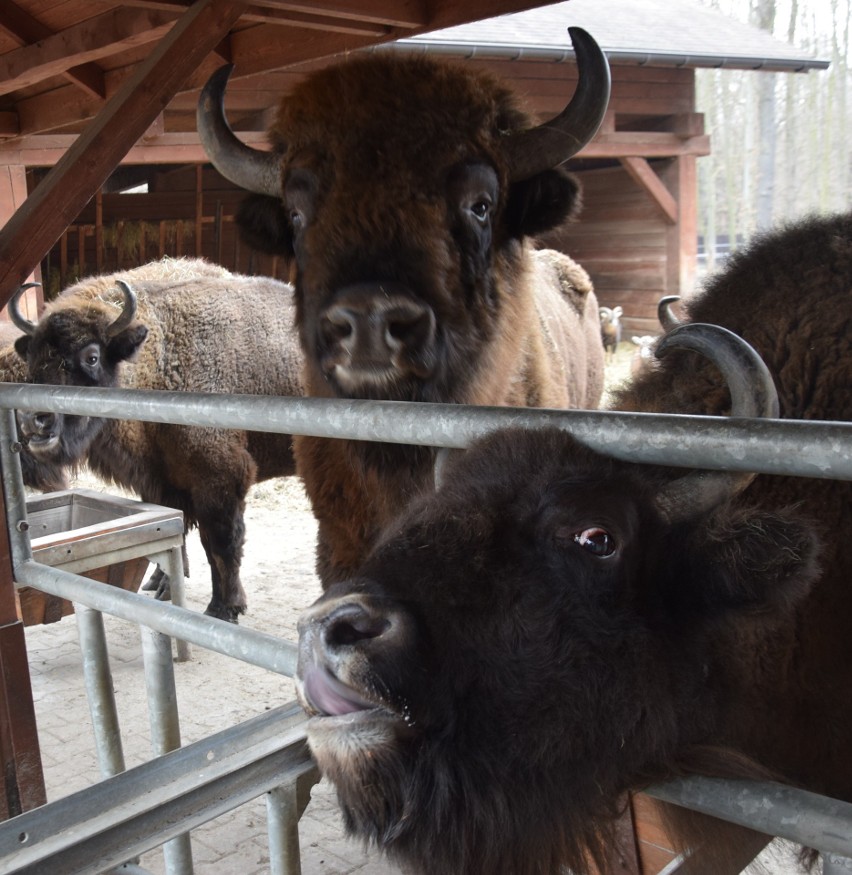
(542, 636)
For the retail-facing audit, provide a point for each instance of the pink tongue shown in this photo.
(330, 696)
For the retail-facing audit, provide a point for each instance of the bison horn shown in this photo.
(667, 318)
(554, 142)
(248, 168)
(128, 314)
(753, 394)
(15, 313)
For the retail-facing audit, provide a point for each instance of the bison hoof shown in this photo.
(158, 583)
(228, 613)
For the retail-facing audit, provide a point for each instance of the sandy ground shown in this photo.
(214, 692)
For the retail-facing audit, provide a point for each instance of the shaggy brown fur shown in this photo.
(397, 186)
(537, 638)
(198, 328)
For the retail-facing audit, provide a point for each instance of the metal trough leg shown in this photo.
(165, 727)
(171, 561)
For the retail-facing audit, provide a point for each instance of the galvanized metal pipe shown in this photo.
(248, 645)
(808, 449)
(171, 561)
(775, 809)
(165, 728)
(282, 816)
(100, 690)
(13, 490)
(835, 865)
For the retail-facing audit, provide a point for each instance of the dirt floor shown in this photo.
(213, 692)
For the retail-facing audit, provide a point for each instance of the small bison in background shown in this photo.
(180, 325)
(611, 329)
(406, 191)
(554, 628)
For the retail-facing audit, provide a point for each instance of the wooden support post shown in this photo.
(99, 231)
(20, 756)
(681, 179)
(199, 210)
(13, 193)
(72, 182)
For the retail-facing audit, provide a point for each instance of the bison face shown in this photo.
(401, 189)
(525, 646)
(78, 343)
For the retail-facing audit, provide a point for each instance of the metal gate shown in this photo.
(160, 801)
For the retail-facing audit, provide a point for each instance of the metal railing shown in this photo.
(764, 446)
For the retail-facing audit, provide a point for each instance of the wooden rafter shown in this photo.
(20, 25)
(108, 34)
(642, 172)
(72, 182)
(393, 13)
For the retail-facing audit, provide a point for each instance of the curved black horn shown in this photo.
(666, 316)
(753, 394)
(248, 168)
(128, 314)
(15, 313)
(554, 142)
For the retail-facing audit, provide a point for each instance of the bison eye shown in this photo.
(597, 541)
(90, 356)
(480, 210)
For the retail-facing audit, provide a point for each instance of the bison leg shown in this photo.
(223, 539)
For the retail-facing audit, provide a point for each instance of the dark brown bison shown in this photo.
(555, 627)
(405, 192)
(178, 325)
(37, 475)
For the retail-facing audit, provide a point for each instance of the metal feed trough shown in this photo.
(161, 800)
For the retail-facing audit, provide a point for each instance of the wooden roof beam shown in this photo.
(98, 37)
(21, 26)
(72, 182)
(391, 13)
(643, 174)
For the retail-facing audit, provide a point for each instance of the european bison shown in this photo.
(36, 474)
(178, 325)
(554, 627)
(405, 192)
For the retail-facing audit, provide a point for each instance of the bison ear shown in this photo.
(263, 225)
(543, 202)
(746, 561)
(22, 345)
(126, 343)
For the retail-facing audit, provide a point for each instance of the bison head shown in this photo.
(529, 643)
(79, 341)
(401, 189)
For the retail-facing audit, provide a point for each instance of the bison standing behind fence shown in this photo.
(405, 191)
(178, 325)
(555, 627)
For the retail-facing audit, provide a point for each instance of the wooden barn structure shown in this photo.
(97, 98)
(637, 235)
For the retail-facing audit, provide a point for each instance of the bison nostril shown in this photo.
(338, 323)
(350, 623)
(410, 329)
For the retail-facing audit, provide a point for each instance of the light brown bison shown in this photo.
(554, 627)
(406, 192)
(177, 325)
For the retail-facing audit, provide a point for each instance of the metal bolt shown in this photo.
(22, 525)
(16, 446)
